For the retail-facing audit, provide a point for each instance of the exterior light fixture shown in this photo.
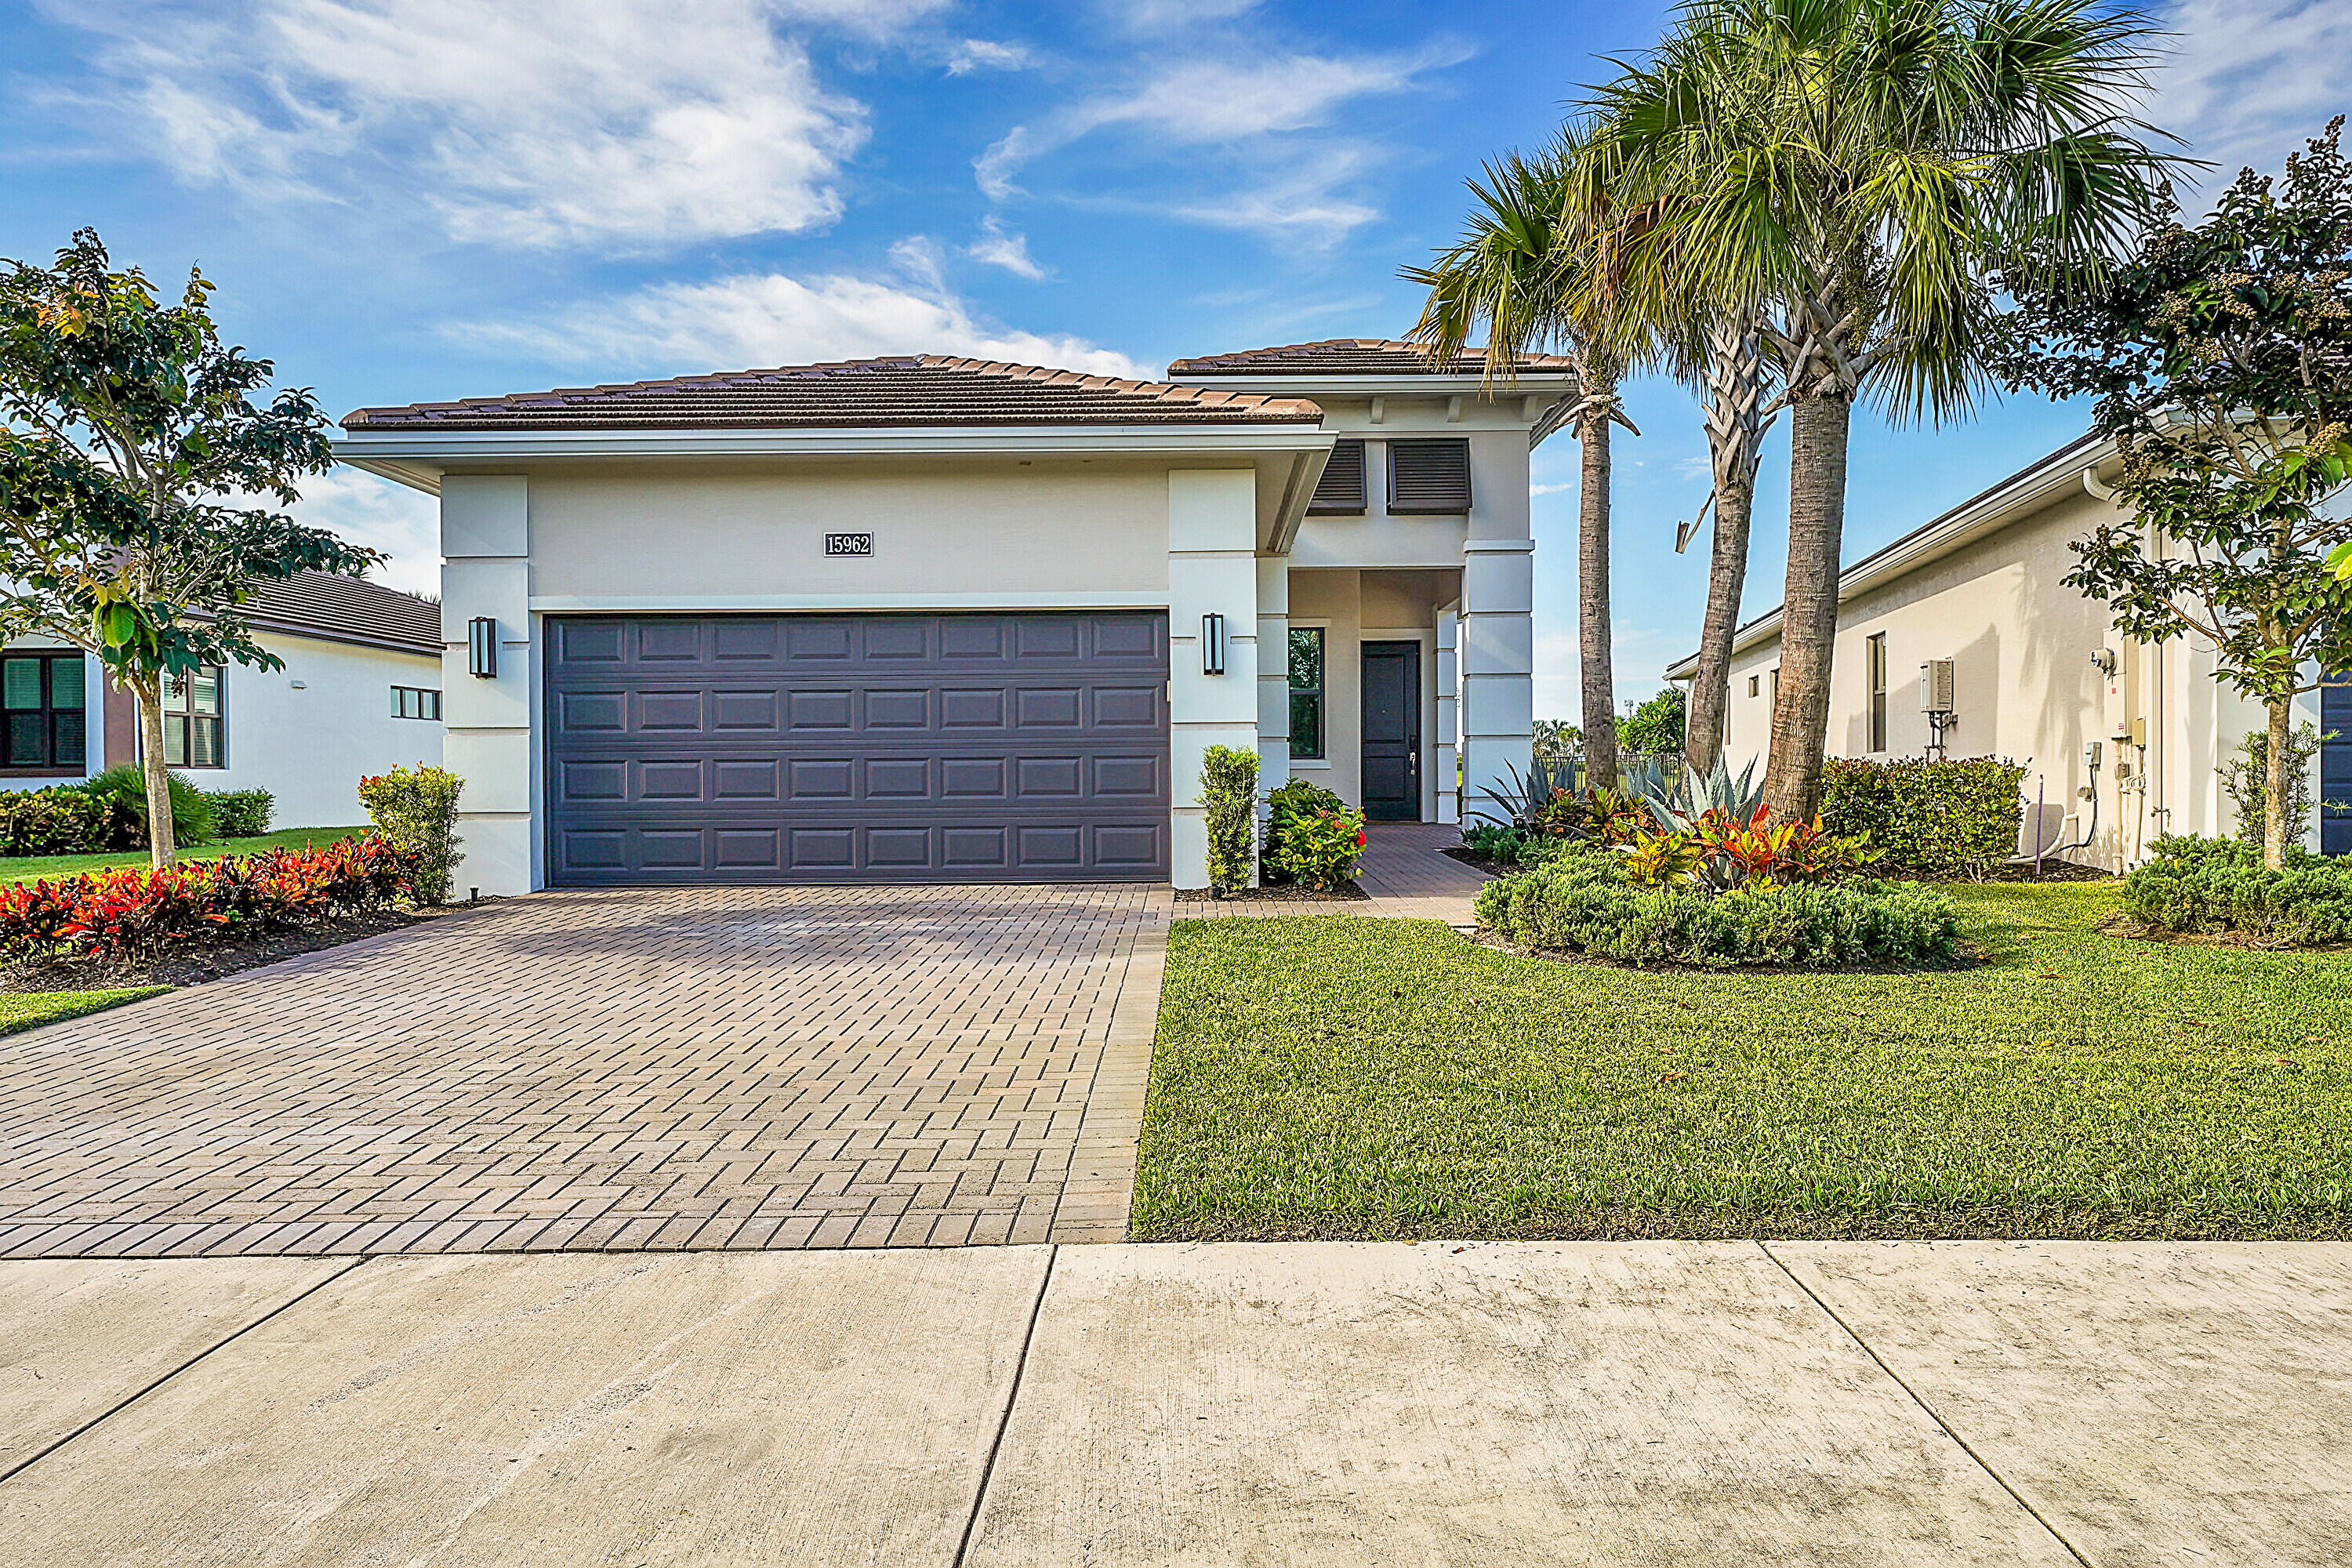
(482, 647)
(1213, 645)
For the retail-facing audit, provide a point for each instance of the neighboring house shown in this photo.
(935, 619)
(2037, 673)
(359, 691)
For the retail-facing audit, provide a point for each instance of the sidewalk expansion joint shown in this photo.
(128, 1400)
(1004, 1422)
(1933, 1414)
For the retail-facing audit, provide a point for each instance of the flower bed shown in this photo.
(1584, 904)
(2219, 887)
(114, 919)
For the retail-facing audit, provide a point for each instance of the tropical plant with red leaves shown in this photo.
(126, 916)
(1721, 851)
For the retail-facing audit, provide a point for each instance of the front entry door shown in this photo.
(1392, 732)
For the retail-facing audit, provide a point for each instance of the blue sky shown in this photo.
(417, 199)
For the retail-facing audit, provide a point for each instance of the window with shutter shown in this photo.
(1429, 476)
(1341, 490)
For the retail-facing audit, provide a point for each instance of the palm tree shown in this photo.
(1850, 176)
(1522, 270)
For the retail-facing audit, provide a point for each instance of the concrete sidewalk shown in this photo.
(1668, 1403)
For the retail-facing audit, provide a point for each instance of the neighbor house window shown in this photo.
(44, 698)
(1755, 685)
(1307, 693)
(415, 703)
(1877, 648)
(191, 720)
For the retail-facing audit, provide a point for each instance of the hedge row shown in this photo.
(1958, 818)
(1583, 904)
(2219, 887)
(109, 813)
(132, 915)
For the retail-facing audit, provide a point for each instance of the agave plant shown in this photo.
(1523, 796)
(1694, 794)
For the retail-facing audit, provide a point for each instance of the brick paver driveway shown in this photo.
(724, 1068)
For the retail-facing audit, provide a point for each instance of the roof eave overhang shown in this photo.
(419, 457)
(2055, 476)
(1529, 383)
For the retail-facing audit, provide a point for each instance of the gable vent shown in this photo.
(1341, 488)
(1429, 476)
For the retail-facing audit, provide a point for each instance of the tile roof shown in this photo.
(903, 390)
(347, 609)
(1353, 356)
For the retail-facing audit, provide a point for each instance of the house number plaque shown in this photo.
(849, 544)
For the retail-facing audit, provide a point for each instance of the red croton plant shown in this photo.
(126, 916)
(1721, 851)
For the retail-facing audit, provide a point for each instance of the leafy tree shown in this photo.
(1656, 726)
(1851, 175)
(2221, 355)
(1522, 270)
(127, 436)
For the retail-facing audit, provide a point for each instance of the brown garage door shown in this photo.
(963, 748)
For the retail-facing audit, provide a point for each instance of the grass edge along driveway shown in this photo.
(1343, 1077)
(22, 1010)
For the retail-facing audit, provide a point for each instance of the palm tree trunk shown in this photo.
(2275, 823)
(1726, 576)
(1592, 604)
(162, 845)
(1801, 719)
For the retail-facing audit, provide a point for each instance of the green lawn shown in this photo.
(1336, 1077)
(22, 1010)
(26, 867)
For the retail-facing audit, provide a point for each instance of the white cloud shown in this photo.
(539, 121)
(364, 510)
(1552, 489)
(1000, 247)
(2248, 81)
(1253, 128)
(982, 54)
(756, 319)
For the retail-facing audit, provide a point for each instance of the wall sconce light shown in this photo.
(482, 647)
(1213, 645)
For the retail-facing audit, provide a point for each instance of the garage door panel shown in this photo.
(891, 748)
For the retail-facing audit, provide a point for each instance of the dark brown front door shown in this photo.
(1392, 732)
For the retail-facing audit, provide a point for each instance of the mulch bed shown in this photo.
(1283, 894)
(1491, 867)
(195, 965)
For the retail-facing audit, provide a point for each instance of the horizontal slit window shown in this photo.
(1429, 476)
(1341, 490)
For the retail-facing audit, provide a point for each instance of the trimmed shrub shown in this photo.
(2245, 779)
(1285, 807)
(1950, 818)
(241, 813)
(65, 820)
(192, 809)
(416, 809)
(1582, 904)
(136, 914)
(1321, 850)
(2219, 887)
(1229, 792)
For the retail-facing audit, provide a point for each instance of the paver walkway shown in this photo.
(1405, 869)
(685, 1067)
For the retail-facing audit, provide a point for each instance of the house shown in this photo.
(1962, 638)
(926, 618)
(360, 691)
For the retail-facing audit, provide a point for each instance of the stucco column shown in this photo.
(1212, 569)
(1449, 718)
(487, 737)
(1273, 672)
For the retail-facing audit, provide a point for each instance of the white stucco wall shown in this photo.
(308, 732)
